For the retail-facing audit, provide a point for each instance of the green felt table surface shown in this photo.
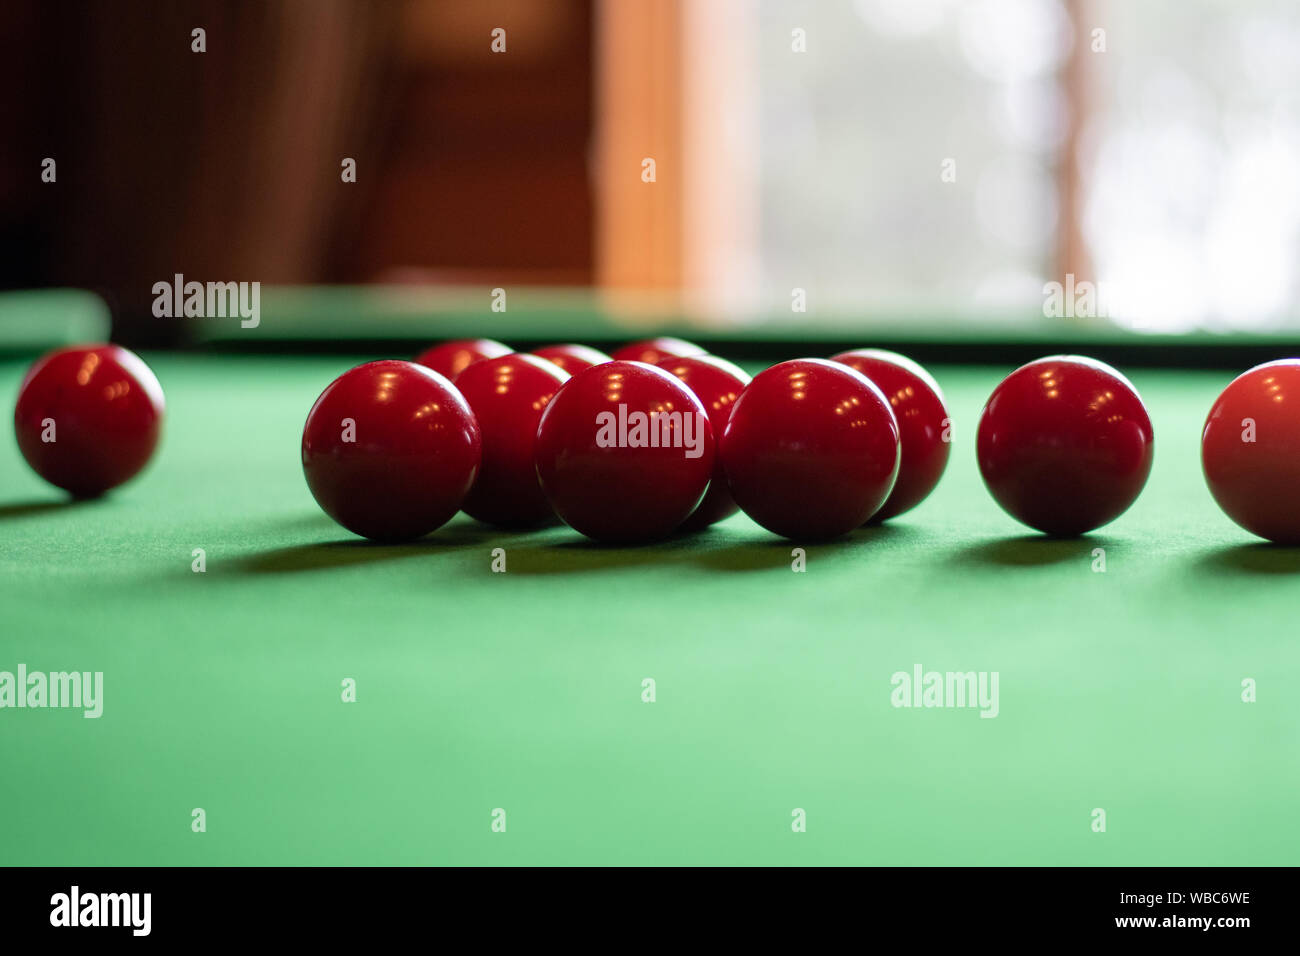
(1119, 690)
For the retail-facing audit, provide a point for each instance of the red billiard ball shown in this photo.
(717, 384)
(654, 351)
(451, 358)
(811, 449)
(88, 418)
(572, 358)
(624, 452)
(1065, 444)
(508, 396)
(1250, 451)
(390, 450)
(923, 424)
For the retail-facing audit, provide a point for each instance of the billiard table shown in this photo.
(694, 701)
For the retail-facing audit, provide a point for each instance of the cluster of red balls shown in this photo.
(630, 447)
(661, 437)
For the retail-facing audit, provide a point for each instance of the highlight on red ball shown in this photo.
(572, 357)
(653, 351)
(451, 358)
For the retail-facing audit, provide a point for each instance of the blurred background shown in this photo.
(839, 169)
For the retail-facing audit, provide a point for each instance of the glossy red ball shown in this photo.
(572, 358)
(924, 430)
(811, 449)
(88, 418)
(717, 383)
(654, 351)
(508, 396)
(390, 450)
(624, 452)
(1250, 451)
(451, 358)
(1065, 444)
